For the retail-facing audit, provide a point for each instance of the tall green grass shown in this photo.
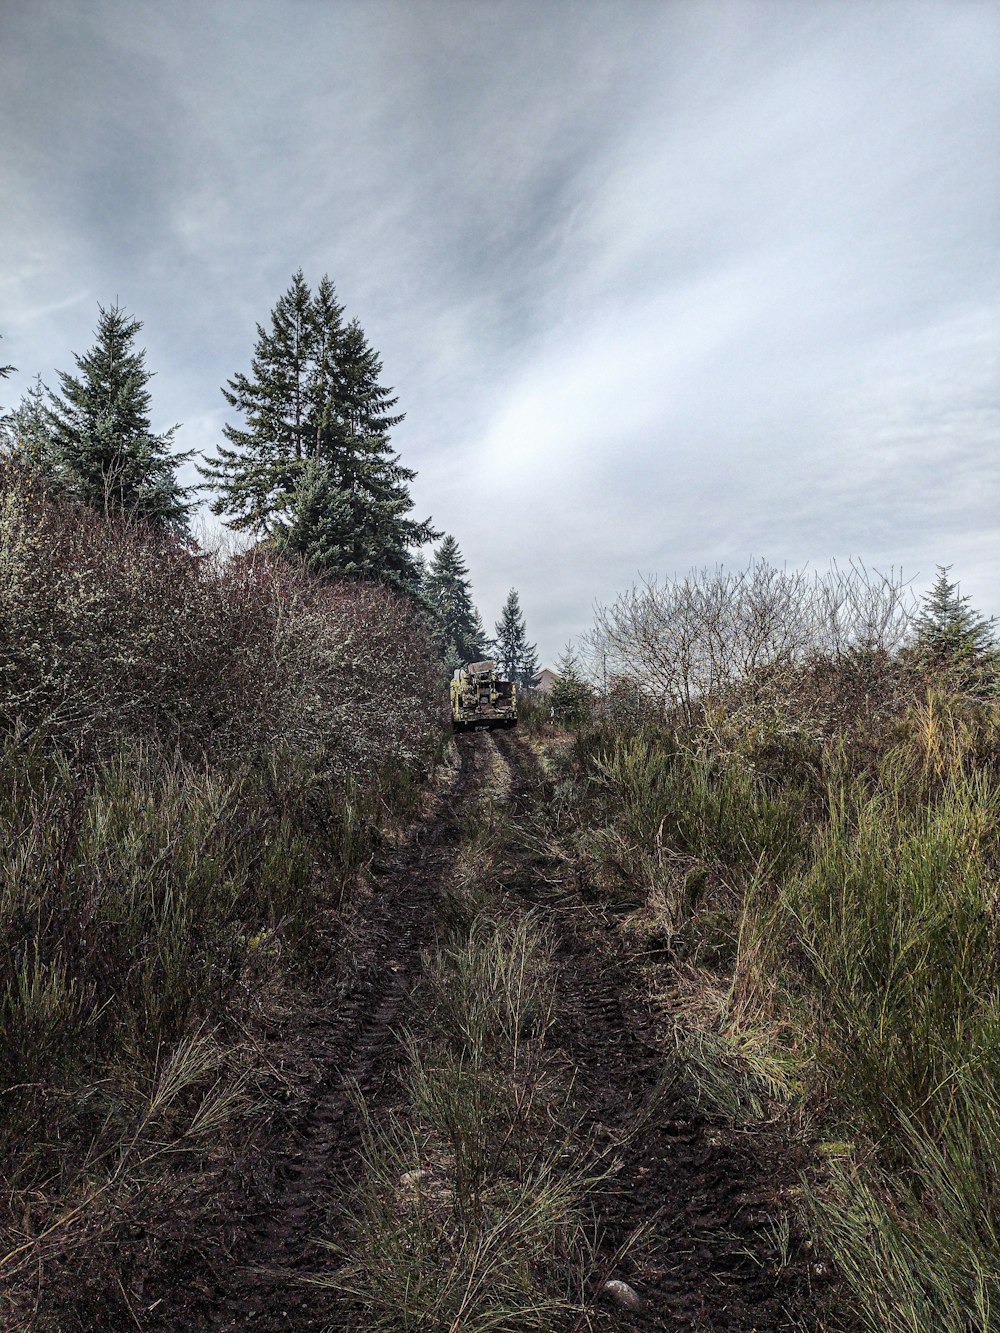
(860, 982)
(670, 795)
(896, 916)
(897, 919)
(143, 901)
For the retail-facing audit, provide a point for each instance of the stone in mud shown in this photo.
(622, 1294)
(411, 1180)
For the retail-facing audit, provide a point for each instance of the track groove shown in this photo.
(704, 1196)
(256, 1281)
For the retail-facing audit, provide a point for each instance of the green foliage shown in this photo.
(140, 902)
(335, 529)
(953, 638)
(448, 591)
(919, 1250)
(24, 433)
(897, 918)
(491, 994)
(817, 846)
(313, 468)
(894, 917)
(671, 797)
(292, 370)
(572, 699)
(516, 657)
(99, 446)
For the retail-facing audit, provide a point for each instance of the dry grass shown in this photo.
(831, 939)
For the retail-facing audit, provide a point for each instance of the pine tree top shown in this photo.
(448, 592)
(310, 466)
(101, 445)
(517, 657)
(947, 626)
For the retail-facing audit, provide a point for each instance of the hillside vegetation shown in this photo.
(789, 791)
(196, 758)
(697, 985)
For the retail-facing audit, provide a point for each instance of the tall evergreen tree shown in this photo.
(257, 474)
(317, 422)
(448, 591)
(950, 635)
(101, 447)
(25, 432)
(319, 530)
(516, 657)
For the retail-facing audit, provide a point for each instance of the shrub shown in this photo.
(195, 755)
(817, 842)
(109, 632)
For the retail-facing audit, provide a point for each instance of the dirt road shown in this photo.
(704, 1201)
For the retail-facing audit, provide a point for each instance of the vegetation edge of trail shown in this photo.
(818, 915)
(192, 778)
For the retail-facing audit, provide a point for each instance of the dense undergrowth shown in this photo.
(196, 757)
(822, 903)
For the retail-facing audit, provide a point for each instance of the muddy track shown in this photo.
(706, 1198)
(254, 1281)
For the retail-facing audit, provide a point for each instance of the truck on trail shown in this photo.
(479, 698)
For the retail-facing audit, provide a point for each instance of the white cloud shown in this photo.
(657, 284)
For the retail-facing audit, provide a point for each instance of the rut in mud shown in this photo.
(701, 1202)
(249, 1275)
(705, 1201)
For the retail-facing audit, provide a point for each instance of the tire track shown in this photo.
(256, 1283)
(703, 1197)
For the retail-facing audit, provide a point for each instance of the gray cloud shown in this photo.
(658, 284)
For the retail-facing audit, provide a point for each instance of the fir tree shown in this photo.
(317, 425)
(516, 657)
(283, 402)
(448, 593)
(25, 434)
(100, 446)
(951, 636)
(319, 531)
(571, 699)
(346, 531)
(364, 406)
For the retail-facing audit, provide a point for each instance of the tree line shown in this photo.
(307, 468)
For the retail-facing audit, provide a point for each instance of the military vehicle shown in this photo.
(479, 698)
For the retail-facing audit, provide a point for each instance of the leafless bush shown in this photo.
(684, 642)
(110, 632)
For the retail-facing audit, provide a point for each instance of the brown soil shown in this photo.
(703, 1197)
(256, 1283)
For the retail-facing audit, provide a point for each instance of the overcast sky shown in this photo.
(659, 283)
